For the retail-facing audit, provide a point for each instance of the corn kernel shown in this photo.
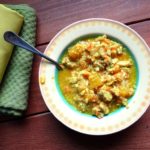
(42, 79)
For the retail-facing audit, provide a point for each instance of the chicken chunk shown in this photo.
(104, 107)
(125, 63)
(105, 95)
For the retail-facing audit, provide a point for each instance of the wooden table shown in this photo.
(38, 129)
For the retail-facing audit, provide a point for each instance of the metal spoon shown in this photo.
(18, 41)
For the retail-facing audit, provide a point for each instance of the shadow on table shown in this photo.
(47, 132)
(113, 141)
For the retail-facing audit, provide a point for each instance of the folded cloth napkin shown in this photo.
(15, 83)
(10, 20)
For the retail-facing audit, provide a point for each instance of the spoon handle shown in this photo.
(18, 41)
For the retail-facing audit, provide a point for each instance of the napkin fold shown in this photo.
(9, 20)
(15, 84)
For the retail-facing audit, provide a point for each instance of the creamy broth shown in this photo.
(99, 75)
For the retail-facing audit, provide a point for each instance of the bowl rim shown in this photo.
(69, 26)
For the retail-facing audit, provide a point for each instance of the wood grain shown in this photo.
(43, 132)
(53, 15)
(39, 130)
(143, 29)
